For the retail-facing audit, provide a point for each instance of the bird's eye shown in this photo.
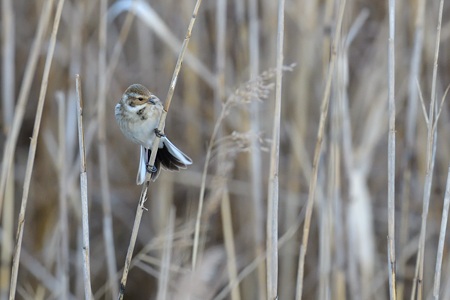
(140, 98)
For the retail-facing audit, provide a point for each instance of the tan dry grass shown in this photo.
(346, 256)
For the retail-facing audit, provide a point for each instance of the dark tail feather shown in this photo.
(166, 160)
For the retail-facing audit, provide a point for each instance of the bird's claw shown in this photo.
(151, 169)
(159, 133)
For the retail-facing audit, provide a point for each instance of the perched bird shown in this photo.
(138, 113)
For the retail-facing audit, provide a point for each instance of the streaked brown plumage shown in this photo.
(138, 113)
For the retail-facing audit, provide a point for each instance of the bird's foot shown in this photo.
(152, 169)
(159, 133)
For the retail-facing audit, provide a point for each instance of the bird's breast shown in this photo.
(139, 125)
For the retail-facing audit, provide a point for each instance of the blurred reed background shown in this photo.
(226, 87)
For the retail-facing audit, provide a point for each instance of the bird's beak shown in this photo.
(150, 100)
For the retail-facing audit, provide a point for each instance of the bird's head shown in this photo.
(138, 95)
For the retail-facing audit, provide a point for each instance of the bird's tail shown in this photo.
(169, 157)
(142, 167)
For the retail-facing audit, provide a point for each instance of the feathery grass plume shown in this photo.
(255, 89)
(238, 142)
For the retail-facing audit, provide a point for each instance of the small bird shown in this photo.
(138, 113)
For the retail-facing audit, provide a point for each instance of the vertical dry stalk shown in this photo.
(288, 235)
(170, 95)
(227, 224)
(137, 221)
(84, 195)
(431, 142)
(410, 137)
(258, 212)
(219, 94)
(414, 75)
(219, 91)
(8, 59)
(446, 285)
(173, 83)
(331, 278)
(63, 211)
(242, 274)
(8, 97)
(440, 251)
(391, 152)
(326, 218)
(32, 150)
(317, 152)
(212, 139)
(103, 155)
(144, 192)
(358, 197)
(211, 143)
(163, 279)
(8, 153)
(7, 236)
(272, 202)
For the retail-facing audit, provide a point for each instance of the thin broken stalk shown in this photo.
(84, 195)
